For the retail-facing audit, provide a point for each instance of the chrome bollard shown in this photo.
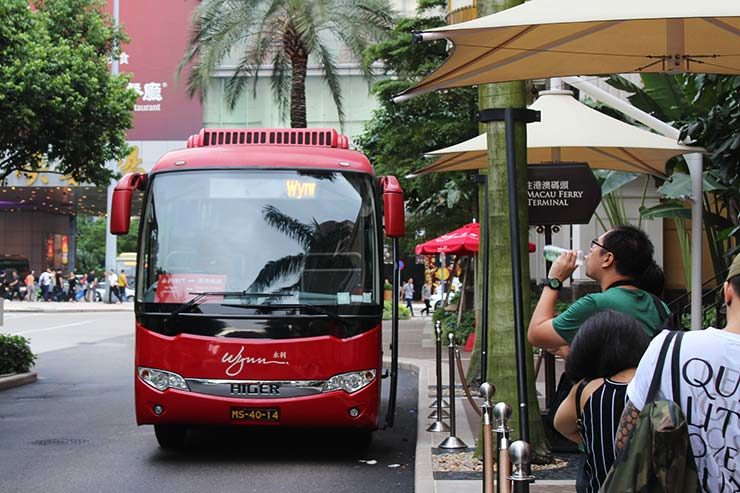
(438, 414)
(520, 453)
(452, 442)
(486, 391)
(501, 415)
(438, 357)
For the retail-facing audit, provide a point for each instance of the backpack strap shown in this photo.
(662, 312)
(655, 382)
(675, 369)
(579, 392)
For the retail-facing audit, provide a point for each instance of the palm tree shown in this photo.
(316, 238)
(284, 34)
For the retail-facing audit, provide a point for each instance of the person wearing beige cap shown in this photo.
(709, 387)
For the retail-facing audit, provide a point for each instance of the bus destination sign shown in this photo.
(562, 193)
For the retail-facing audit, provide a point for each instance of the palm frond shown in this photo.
(276, 270)
(290, 227)
(332, 79)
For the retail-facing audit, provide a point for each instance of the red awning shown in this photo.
(462, 241)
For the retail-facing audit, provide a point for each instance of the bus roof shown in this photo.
(266, 148)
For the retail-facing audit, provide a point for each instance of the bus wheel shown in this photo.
(170, 437)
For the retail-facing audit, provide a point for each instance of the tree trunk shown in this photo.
(473, 372)
(298, 57)
(502, 371)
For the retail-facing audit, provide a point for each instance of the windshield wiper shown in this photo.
(288, 306)
(200, 295)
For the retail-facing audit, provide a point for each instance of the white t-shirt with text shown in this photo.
(710, 399)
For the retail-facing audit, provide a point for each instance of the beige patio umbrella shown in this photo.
(547, 38)
(570, 131)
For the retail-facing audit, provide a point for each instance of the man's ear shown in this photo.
(607, 260)
(729, 293)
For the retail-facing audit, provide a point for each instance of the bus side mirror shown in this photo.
(394, 214)
(120, 219)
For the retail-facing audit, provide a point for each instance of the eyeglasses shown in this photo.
(595, 242)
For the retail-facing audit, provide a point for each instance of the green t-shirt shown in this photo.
(636, 303)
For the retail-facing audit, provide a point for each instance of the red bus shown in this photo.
(259, 283)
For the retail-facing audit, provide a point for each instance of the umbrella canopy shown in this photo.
(545, 38)
(570, 131)
(462, 241)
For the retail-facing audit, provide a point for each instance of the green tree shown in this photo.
(90, 247)
(397, 136)
(60, 105)
(501, 339)
(285, 34)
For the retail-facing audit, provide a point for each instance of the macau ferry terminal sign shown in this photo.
(562, 193)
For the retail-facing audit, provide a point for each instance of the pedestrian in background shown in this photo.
(90, 285)
(45, 281)
(72, 287)
(408, 294)
(112, 280)
(30, 283)
(426, 296)
(122, 285)
(58, 289)
(14, 286)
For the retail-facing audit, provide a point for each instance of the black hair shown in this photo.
(652, 279)
(632, 249)
(607, 343)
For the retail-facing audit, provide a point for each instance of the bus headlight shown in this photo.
(350, 382)
(161, 380)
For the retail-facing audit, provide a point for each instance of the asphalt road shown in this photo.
(74, 429)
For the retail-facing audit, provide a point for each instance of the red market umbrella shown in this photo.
(462, 241)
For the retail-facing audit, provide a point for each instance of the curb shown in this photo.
(17, 379)
(423, 473)
(73, 310)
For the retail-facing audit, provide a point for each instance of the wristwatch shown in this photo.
(554, 283)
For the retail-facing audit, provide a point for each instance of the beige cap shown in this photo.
(734, 268)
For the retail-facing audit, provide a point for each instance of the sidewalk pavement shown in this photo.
(416, 353)
(65, 306)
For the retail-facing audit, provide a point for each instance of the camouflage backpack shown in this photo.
(657, 457)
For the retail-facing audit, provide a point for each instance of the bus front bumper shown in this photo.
(335, 409)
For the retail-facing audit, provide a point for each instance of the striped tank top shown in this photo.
(601, 414)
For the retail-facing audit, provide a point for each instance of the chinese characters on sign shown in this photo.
(561, 193)
(148, 92)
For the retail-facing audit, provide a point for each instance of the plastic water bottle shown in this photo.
(552, 252)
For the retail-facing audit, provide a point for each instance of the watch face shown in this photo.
(554, 283)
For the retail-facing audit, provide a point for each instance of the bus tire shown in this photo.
(170, 437)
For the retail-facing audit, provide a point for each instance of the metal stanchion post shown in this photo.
(438, 425)
(501, 415)
(438, 349)
(521, 477)
(486, 391)
(2, 310)
(452, 442)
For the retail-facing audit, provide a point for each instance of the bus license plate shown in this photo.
(255, 414)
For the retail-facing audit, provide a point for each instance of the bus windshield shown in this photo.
(304, 236)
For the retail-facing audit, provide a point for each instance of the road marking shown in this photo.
(55, 327)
